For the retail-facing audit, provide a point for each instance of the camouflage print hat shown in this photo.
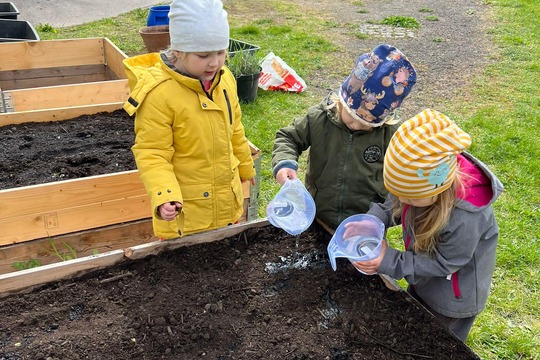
(377, 85)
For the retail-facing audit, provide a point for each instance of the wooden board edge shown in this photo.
(255, 151)
(69, 220)
(156, 247)
(51, 196)
(52, 53)
(68, 95)
(57, 114)
(114, 58)
(83, 243)
(390, 282)
(28, 279)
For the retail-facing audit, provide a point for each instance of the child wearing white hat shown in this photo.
(190, 147)
(442, 197)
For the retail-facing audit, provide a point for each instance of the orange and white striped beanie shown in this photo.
(420, 161)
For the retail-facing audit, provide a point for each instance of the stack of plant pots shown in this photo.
(156, 32)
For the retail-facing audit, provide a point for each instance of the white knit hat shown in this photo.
(198, 26)
(420, 161)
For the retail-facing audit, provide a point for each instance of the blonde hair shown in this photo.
(428, 222)
(170, 55)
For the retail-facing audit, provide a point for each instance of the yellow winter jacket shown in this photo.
(190, 145)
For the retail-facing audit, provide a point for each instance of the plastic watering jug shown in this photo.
(292, 209)
(363, 242)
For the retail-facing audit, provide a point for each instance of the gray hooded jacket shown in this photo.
(455, 282)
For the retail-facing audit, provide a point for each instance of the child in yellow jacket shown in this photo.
(190, 147)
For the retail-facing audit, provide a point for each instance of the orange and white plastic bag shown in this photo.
(277, 75)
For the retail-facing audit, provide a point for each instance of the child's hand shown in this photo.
(371, 267)
(169, 210)
(285, 173)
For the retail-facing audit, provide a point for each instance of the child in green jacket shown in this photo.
(347, 135)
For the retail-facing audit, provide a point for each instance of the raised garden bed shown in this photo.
(56, 80)
(78, 174)
(60, 79)
(261, 294)
(247, 291)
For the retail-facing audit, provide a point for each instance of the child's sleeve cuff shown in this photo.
(291, 164)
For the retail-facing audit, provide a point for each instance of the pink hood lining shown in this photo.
(478, 190)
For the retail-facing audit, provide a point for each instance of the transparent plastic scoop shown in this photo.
(364, 239)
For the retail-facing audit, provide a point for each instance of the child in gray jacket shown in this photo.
(442, 198)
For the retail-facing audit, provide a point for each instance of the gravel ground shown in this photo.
(445, 52)
(60, 13)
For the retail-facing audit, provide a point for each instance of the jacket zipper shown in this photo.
(341, 195)
(228, 105)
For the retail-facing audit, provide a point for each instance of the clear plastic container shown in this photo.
(292, 209)
(363, 241)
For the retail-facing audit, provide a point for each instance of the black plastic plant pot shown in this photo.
(17, 30)
(247, 87)
(236, 46)
(8, 10)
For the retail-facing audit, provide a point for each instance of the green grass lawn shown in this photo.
(501, 112)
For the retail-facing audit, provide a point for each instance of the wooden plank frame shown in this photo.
(54, 80)
(102, 201)
(59, 62)
(72, 95)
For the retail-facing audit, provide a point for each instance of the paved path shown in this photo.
(59, 13)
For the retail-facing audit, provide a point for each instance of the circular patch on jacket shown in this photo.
(372, 154)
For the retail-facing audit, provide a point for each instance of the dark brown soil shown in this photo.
(88, 145)
(261, 295)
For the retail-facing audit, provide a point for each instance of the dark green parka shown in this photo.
(344, 167)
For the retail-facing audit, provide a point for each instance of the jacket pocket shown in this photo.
(198, 207)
